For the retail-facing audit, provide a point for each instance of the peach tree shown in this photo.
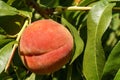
(90, 28)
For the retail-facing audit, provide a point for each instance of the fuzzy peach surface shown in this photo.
(45, 46)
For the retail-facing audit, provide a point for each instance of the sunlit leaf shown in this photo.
(5, 53)
(97, 22)
(10, 2)
(25, 13)
(31, 77)
(5, 9)
(115, 22)
(4, 41)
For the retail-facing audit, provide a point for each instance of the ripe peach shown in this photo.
(45, 46)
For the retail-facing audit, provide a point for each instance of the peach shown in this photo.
(45, 46)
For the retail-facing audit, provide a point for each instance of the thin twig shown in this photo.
(15, 45)
(10, 59)
(77, 8)
(74, 8)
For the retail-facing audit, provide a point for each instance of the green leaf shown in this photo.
(115, 22)
(5, 53)
(27, 14)
(117, 77)
(5, 9)
(112, 64)
(10, 2)
(3, 36)
(2, 31)
(5, 76)
(79, 45)
(98, 21)
(31, 77)
(34, 76)
(11, 24)
(113, 0)
(4, 40)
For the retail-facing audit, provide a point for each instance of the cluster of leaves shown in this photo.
(96, 33)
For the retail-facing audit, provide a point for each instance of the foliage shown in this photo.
(96, 32)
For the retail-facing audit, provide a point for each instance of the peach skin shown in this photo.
(45, 46)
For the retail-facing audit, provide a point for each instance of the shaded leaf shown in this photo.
(2, 31)
(86, 2)
(112, 64)
(5, 76)
(50, 3)
(97, 22)
(5, 53)
(79, 45)
(34, 76)
(12, 24)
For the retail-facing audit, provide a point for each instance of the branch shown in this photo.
(44, 12)
(15, 45)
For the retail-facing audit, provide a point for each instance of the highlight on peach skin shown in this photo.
(45, 46)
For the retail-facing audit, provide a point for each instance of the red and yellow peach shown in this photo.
(45, 46)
